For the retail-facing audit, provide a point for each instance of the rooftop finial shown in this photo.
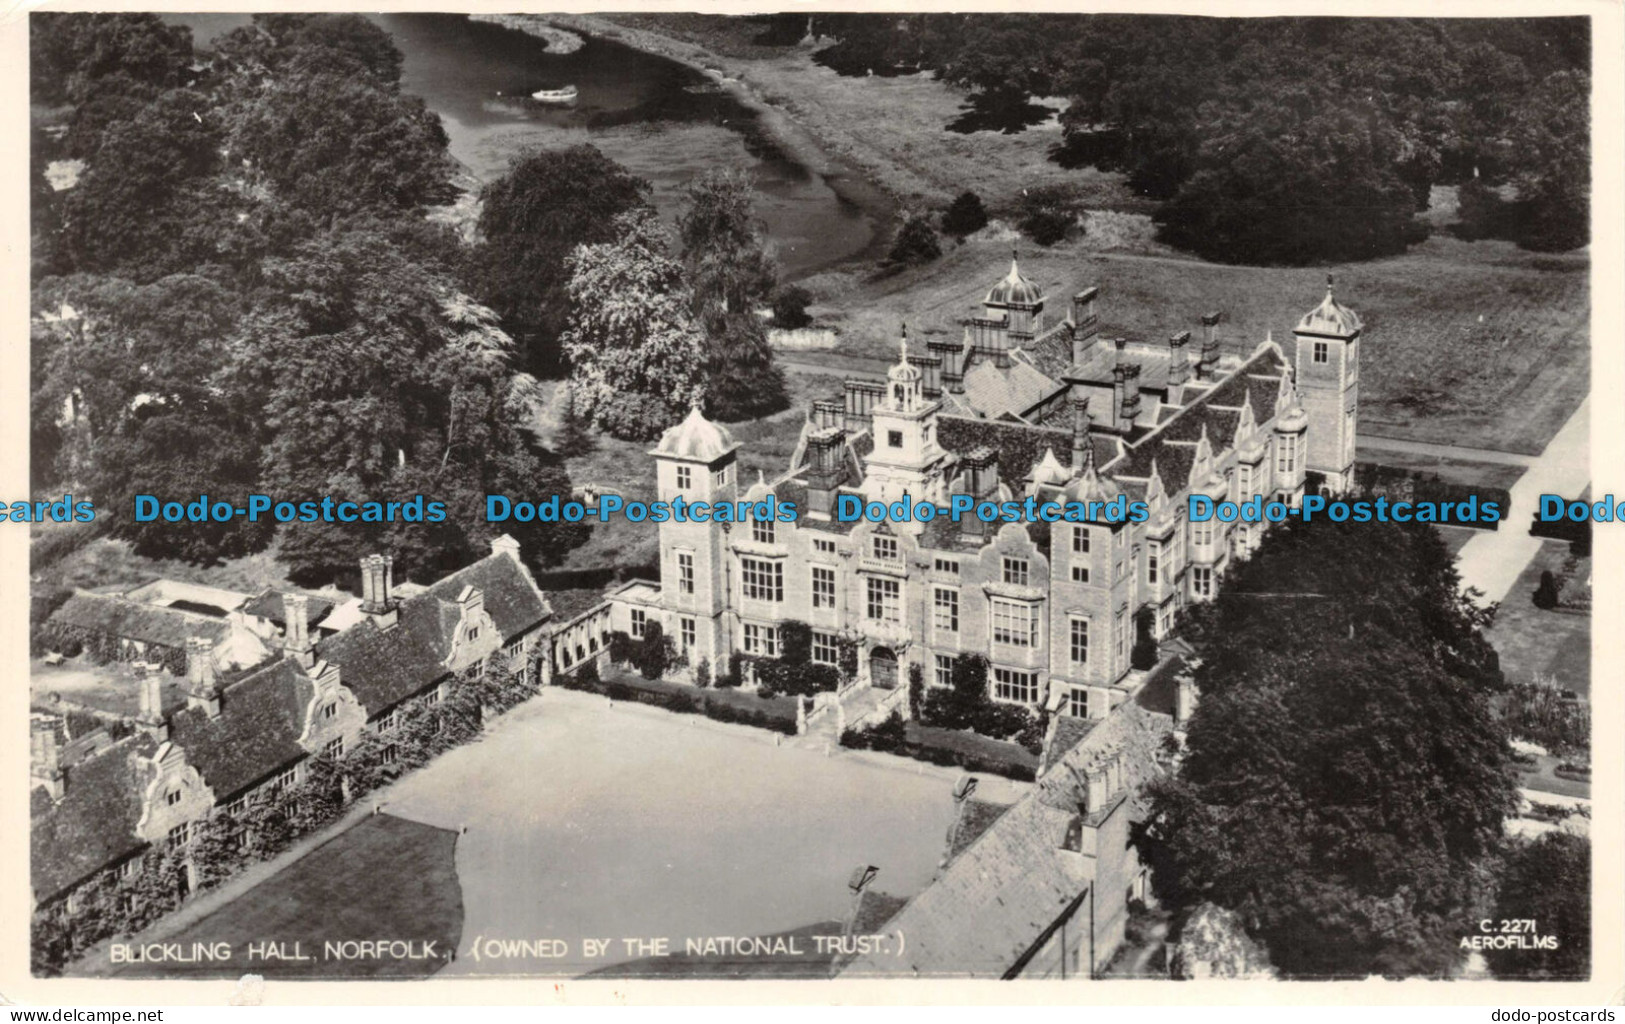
(902, 346)
(1328, 284)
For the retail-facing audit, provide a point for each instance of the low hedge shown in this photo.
(722, 706)
(923, 743)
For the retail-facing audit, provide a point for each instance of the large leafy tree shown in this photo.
(1546, 880)
(376, 379)
(343, 44)
(126, 402)
(731, 274)
(1257, 199)
(1345, 778)
(531, 220)
(635, 351)
(335, 144)
(72, 55)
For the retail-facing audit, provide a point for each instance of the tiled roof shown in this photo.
(1018, 445)
(134, 620)
(1069, 732)
(974, 818)
(94, 823)
(1258, 377)
(1014, 389)
(514, 603)
(383, 668)
(256, 733)
(268, 605)
(995, 900)
(567, 604)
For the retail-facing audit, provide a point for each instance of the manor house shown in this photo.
(1016, 406)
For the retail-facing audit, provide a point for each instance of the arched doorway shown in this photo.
(883, 668)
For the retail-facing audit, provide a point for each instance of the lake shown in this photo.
(664, 121)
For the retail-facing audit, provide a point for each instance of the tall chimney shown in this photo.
(1179, 360)
(151, 714)
(1085, 323)
(1126, 391)
(296, 638)
(45, 758)
(377, 572)
(1209, 365)
(200, 676)
(1081, 448)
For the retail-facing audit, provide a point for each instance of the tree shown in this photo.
(1256, 197)
(1345, 778)
(71, 55)
(1547, 880)
(790, 307)
(136, 203)
(729, 268)
(338, 144)
(635, 352)
(1048, 213)
(276, 45)
(1546, 594)
(1551, 145)
(731, 273)
(653, 653)
(964, 216)
(532, 219)
(916, 242)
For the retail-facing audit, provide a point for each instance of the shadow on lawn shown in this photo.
(386, 879)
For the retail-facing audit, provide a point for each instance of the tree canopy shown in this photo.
(636, 356)
(731, 273)
(1345, 777)
(532, 218)
(1286, 132)
(241, 295)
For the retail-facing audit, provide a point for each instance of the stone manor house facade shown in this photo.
(1017, 406)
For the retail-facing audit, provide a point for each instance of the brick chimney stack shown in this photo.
(1126, 390)
(377, 582)
(200, 676)
(151, 713)
(45, 757)
(1179, 360)
(1209, 365)
(1082, 450)
(1085, 323)
(296, 637)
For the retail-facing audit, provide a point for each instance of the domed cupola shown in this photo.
(1014, 291)
(1330, 319)
(696, 439)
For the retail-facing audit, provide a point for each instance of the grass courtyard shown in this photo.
(591, 821)
(385, 878)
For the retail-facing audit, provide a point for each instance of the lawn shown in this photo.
(1476, 344)
(591, 821)
(856, 118)
(1551, 644)
(1455, 471)
(386, 878)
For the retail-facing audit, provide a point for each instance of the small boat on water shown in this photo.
(564, 95)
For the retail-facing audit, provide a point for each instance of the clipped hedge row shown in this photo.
(679, 699)
(895, 736)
